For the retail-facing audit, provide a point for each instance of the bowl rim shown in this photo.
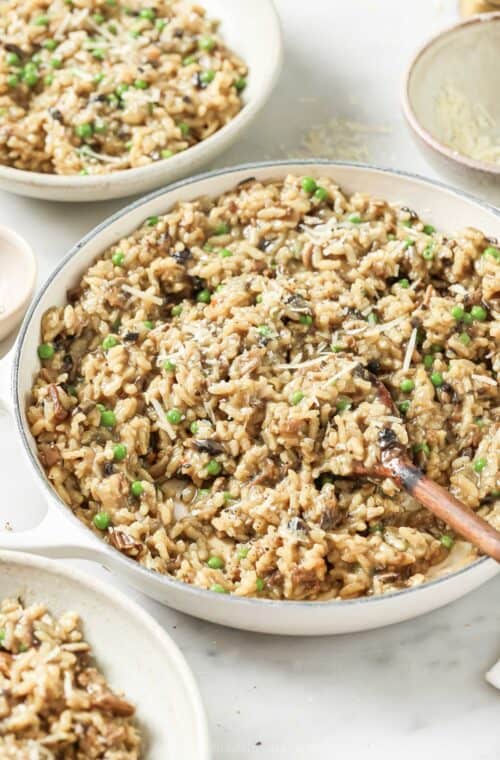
(116, 598)
(29, 277)
(180, 161)
(407, 106)
(121, 559)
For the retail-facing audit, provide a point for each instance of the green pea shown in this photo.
(491, 251)
(12, 59)
(99, 54)
(259, 585)
(406, 385)
(467, 319)
(147, 13)
(166, 153)
(464, 339)
(406, 222)
(118, 258)
(457, 312)
(305, 319)
(97, 18)
(337, 348)
(121, 88)
(218, 589)
(169, 366)
(403, 406)
(428, 361)
(240, 84)
(194, 427)
(108, 418)
(207, 76)
(225, 253)
(447, 541)
(372, 318)
(204, 296)
(215, 563)
(31, 78)
(148, 324)
(185, 128)
(102, 520)
(479, 464)
(141, 84)
(478, 313)
(12, 80)
(136, 488)
(176, 310)
(342, 404)
(429, 229)
(174, 416)
(160, 24)
(46, 351)
(84, 131)
(428, 252)
(206, 43)
(309, 185)
(152, 221)
(119, 452)
(408, 244)
(354, 218)
(109, 341)
(188, 60)
(258, 298)
(213, 467)
(321, 193)
(404, 283)
(222, 229)
(48, 79)
(437, 379)
(41, 21)
(423, 447)
(296, 397)
(243, 552)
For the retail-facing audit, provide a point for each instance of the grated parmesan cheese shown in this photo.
(467, 127)
(144, 295)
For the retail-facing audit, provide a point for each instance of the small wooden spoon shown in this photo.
(397, 465)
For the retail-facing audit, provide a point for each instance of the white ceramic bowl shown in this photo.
(251, 28)
(467, 56)
(132, 650)
(17, 279)
(447, 209)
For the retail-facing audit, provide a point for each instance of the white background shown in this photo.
(411, 691)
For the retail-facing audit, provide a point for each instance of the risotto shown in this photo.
(204, 395)
(54, 703)
(94, 86)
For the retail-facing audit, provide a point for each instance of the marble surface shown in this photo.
(412, 690)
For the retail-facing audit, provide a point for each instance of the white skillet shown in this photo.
(449, 210)
(132, 650)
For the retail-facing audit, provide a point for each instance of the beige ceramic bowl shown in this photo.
(467, 57)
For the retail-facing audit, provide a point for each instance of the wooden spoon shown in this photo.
(396, 464)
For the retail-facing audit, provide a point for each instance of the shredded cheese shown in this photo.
(410, 348)
(144, 295)
(162, 421)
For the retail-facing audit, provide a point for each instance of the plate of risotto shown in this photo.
(100, 99)
(67, 691)
(193, 390)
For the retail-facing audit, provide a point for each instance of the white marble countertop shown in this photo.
(413, 690)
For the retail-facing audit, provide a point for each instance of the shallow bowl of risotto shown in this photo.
(192, 390)
(101, 100)
(68, 690)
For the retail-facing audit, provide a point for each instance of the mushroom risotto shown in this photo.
(54, 703)
(204, 394)
(94, 86)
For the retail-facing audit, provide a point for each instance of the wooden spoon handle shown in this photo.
(440, 501)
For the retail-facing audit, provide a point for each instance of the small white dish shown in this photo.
(17, 280)
(463, 60)
(132, 650)
(251, 28)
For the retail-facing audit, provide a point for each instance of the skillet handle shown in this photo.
(55, 536)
